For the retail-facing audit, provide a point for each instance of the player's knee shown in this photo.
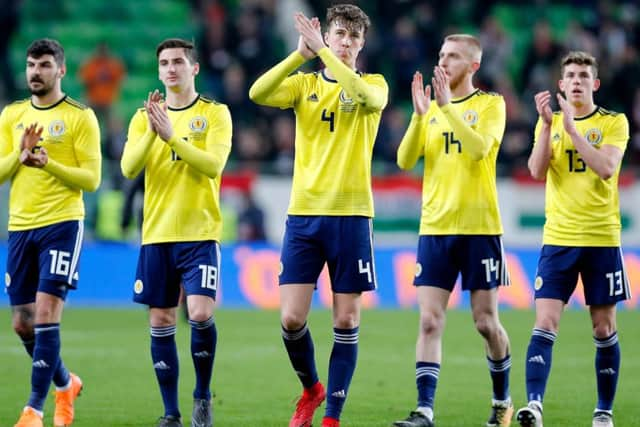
(162, 318)
(24, 329)
(346, 321)
(431, 324)
(603, 330)
(292, 321)
(550, 324)
(200, 314)
(487, 326)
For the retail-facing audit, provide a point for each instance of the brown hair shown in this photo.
(350, 15)
(580, 58)
(187, 46)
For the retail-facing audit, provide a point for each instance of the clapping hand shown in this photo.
(420, 95)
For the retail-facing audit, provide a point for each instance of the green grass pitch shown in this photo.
(254, 385)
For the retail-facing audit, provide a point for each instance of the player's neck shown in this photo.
(465, 88)
(181, 99)
(582, 110)
(50, 98)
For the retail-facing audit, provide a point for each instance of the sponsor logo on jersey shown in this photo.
(313, 98)
(7, 279)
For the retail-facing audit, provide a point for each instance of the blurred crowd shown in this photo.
(241, 39)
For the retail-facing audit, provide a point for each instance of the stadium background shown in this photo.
(238, 40)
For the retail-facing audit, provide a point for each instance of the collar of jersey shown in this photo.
(48, 107)
(595, 110)
(186, 107)
(324, 76)
(457, 101)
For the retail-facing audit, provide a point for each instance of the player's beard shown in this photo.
(456, 81)
(43, 90)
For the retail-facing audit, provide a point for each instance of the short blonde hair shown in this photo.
(474, 49)
(580, 58)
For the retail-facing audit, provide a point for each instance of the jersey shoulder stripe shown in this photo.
(20, 102)
(489, 93)
(606, 112)
(75, 103)
(208, 100)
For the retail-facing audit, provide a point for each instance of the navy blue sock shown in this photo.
(607, 369)
(427, 374)
(342, 364)
(46, 355)
(499, 370)
(204, 337)
(299, 346)
(61, 375)
(538, 363)
(164, 355)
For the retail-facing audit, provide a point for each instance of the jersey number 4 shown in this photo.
(328, 118)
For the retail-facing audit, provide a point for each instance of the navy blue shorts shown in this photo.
(345, 243)
(162, 267)
(479, 259)
(602, 271)
(44, 259)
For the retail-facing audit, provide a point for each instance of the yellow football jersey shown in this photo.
(581, 208)
(459, 195)
(181, 204)
(71, 137)
(334, 144)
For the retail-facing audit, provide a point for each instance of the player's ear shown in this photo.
(596, 84)
(475, 66)
(196, 68)
(561, 85)
(62, 70)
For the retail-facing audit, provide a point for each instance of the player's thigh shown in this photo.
(348, 242)
(21, 278)
(482, 262)
(59, 247)
(604, 276)
(199, 266)
(557, 274)
(436, 262)
(302, 257)
(157, 282)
